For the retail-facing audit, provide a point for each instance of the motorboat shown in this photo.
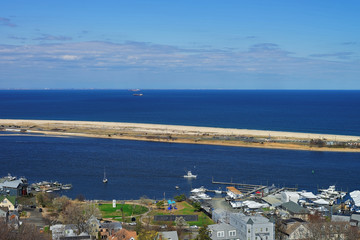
(190, 175)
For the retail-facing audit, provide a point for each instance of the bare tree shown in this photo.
(25, 232)
(78, 214)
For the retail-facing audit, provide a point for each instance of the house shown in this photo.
(355, 220)
(252, 227)
(57, 231)
(4, 213)
(171, 235)
(111, 227)
(223, 231)
(220, 216)
(233, 193)
(294, 229)
(17, 187)
(93, 226)
(124, 234)
(295, 210)
(9, 202)
(104, 233)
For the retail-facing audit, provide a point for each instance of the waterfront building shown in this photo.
(252, 227)
(295, 210)
(233, 193)
(16, 187)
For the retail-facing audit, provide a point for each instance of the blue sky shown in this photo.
(200, 44)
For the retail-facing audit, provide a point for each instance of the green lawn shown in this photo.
(187, 209)
(108, 211)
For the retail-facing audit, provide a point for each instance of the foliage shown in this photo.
(197, 206)
(180, 198)
(204, 233)
(147, 235)
(44, 199)
(60, 203)
(160, 204)
(80, 197)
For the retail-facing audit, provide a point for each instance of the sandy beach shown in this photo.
(179, 134)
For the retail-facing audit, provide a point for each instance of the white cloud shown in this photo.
(69, 57)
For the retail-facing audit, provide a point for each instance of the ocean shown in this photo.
(136, 168)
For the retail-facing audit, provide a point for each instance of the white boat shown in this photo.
(198, 190)
(105, 179)
(190, 175)
(66, 187)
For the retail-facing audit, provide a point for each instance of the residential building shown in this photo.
(294, 229)
(171, 235)
(93, 226)
(253, 227)
(8, 202)
(295, 210)
(220, 216)
(124, 234)
(223, 231)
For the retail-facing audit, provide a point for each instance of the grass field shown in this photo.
(184, 208)
(129, 210)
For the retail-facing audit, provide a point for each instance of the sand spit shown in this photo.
(180, 134)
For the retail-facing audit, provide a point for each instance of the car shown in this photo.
(132, 223)
(194, 226)
(40, 210)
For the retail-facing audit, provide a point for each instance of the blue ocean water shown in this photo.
(334, 112)
(136, 168)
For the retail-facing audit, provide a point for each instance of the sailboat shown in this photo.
(105, 179)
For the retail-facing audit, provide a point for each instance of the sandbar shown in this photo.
(187, 134)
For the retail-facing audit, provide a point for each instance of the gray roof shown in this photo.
(221, 227)
(172, 235)
(355, 217)
(294, 208)
(111, 225)
(272, 200)
(11, 184)
(246, 219)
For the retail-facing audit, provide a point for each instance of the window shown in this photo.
(267, 229)
(232, 233)
(220, 234)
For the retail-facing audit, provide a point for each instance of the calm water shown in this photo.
(336, 112)
(137, 168)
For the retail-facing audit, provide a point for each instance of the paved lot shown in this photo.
(35, 217)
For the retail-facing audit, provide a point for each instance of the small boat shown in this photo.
(138, 94)
(198, 190)
(105, 179)
(177, 187)
(190, 175)
(66, 187)
(218, 191)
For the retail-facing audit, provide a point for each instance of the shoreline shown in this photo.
(182, 134)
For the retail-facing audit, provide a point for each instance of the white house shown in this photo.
(253, 227)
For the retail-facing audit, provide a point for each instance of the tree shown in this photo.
(147, 235)
(78, 214)
(160, 204)
(181, 224)
(180, 198)
(60, 203)
(197, 206)
(204, 233)
(25, 232)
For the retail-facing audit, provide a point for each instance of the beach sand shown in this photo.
(180, 134)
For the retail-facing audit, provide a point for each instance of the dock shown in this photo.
(248, 189)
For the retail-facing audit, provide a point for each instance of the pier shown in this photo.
(248, 189)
